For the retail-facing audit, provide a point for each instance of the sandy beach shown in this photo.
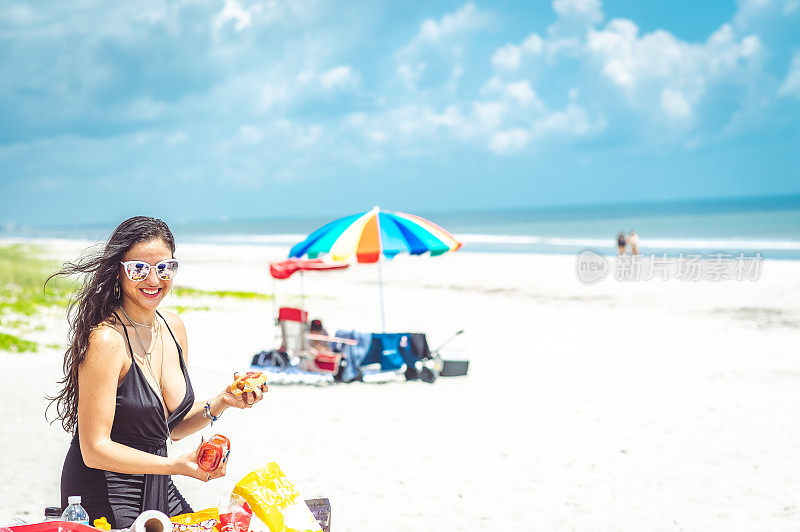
(650, 405)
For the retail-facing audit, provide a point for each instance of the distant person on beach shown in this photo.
(316, 328)
(126, 388)
(621, 243)
(633, 240)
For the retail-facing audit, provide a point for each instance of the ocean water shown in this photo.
(769, 226)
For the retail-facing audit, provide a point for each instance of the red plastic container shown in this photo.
(54, 526)
(211, 453)
(236, 519)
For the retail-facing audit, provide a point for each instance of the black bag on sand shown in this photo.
(454, 368)
(427, 375)
(273, 358)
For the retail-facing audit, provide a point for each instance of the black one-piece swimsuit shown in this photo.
(139, 422)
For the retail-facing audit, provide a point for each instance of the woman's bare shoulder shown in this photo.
(174, 321)
(106, 337)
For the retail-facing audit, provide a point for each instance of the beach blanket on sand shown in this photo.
(353, 355)
(279, 371)
(294, 375)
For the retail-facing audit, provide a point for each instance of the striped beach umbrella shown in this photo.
(371, 235)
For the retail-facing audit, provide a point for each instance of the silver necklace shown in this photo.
(148, 354)
(155, 321)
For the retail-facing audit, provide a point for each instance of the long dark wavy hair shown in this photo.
(96, 299)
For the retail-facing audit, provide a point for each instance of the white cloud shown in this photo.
(279, 90)
(791, 85)
(518, 92)
(488, 116)
(411, 73)
(575, 17)
(465, 21)
(509, 141)
(533, 44)
(674, 104)
(409, 124)
(658, 67)
(233, 11)
(571, 122)
(616, 49)
(510, 56)
(512, 121)
(753, 13)
(587, 11)
(339, 77)
(441, 43)
(653, 70)
(522, 92)
(242, 15)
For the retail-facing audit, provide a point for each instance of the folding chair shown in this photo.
(296, 338)
(294, 330)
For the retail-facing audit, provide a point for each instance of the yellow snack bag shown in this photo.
(276, 501)
(203, 521)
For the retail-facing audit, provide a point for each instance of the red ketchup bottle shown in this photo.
(212, 452)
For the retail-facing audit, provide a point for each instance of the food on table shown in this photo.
(203, 521)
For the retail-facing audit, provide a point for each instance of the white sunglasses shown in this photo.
(138, 270)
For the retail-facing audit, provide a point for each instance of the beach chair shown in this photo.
(293, 323)
(296, 342)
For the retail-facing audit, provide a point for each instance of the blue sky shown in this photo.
(231, 109)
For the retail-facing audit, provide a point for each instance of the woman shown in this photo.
(633, 240)
(126, 389)
(621, 243)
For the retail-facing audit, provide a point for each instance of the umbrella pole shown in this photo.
(302, 290)
(380, 284)
(274, 299)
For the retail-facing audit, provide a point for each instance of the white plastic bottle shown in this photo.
(75, 512)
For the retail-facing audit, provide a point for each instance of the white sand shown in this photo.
(614, 406)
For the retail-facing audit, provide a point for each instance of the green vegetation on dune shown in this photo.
(180, 309)
(181, 291)
(185, 295)
(22, 296)
(9, 342)
(23, 275)
(22, 278)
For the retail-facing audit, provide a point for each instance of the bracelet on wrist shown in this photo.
(208, 415)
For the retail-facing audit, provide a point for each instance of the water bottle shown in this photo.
(75, 512)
